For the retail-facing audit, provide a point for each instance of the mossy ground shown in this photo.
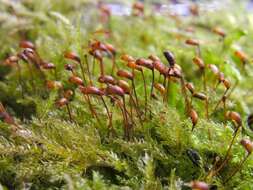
(50, 152)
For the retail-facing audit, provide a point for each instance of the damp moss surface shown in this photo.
(45, 148)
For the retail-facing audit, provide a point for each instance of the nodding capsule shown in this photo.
(76, 80)
(69, 67)
(107, 79)
(199, 185)
(54, 84)
(26, 44)
(174, 72)
(160, 67)
(154, 58)
(110, 48)
(126, 58)
(199, 62)
(29, 53)
(248, 145)
(125, 86)
(226, 83)
(115, 90)
(145, 63)
(199, 95)
(170, 58)
(241, 55)
(68, 94)
(194, 117)
(160, 88)
(250, 121)
(192, 42)
(92, 90)
(138, 6)
(214, 69)
(125, 74)
(234, 116)
(48, 65)
(62, 102)
(221, 76)
(132, 65)
(97, 54)
(190, 87)
(13, 59)
(219, 31)
(72, 56)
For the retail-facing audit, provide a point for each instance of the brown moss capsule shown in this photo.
(132, 65)
(62, 102)
(192, 42)
(241, 55)
(154, 58)
(138, 6)
(76, 80)
(69, 67)
(145, 63)
(30, 54)
(214, 69)
(199, 95)
(13, 58)
(194, 117)
(250, 121)
(114, 90)
(174, 72)
(125, 86)
(170, 58)
(48, 66)
(68, 94)
(125, 74)
(234, 116)
(190, 87)
(26, 44)
(110, 48)
(199, 62)
(126, 58)
(91, 90)
(160, 88)
(54, 84)
(160, 67)
(97, 54)
(107, 79)
(199, 185)
(226, 83)
(219, 31)
(72, 56)
(248, 145)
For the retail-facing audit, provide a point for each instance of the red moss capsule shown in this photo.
(199, 185)
(145, 63)
(199, 62)
(54, 84)
(174, 72)
(219, 31)
(107, 79)
(241, 55)
(91, 90)
(72, 56)
(234, 116)
(125, 86)
(160, 88)
(76, 80)
(132, 65)
(170, 58)
(97, 54)
(26, 44)
(194, 117)
(125, 74)
(199, 95)
(114, 90)
(190, 87)
(48, 66)
(62, 102)
(192, 42)
(214, 69)
(160, 67)
(126, 58)
(248, 145)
